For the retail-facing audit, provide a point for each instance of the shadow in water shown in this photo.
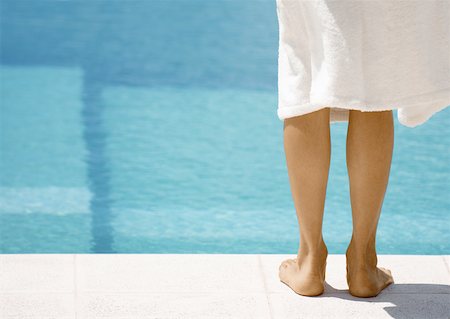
(407, 300)
(98, 174)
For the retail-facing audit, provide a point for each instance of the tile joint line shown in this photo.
(261, 272)
(446, 264)
(75, 293)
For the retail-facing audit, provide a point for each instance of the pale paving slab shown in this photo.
(169, 273)
(344, 306)
(421, 290)
(37, 273)
(412, 273)
(208, 286)
(37, 286)
(37, 305)
(169, 305)
(170, 286)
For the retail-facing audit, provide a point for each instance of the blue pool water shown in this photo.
(151, 127)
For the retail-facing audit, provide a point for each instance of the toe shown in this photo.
(387, 271)
(387, 276)
(286, 263)
(283, 265)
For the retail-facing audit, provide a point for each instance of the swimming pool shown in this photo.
(150, 126)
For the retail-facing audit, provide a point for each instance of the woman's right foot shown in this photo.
(364, 278)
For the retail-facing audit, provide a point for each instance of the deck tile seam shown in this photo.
(447, 266)
(75, 281)
(263, 278)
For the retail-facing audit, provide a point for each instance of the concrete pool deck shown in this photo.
(209, 286)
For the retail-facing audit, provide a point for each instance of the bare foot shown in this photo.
(305, 274)
(364, 278)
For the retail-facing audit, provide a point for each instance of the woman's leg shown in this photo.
(370, 141)
(307, 148)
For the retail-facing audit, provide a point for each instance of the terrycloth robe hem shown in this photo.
(412, 111)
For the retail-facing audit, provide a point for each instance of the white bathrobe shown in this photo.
(364, 55)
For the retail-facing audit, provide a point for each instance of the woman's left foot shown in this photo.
(305, 275)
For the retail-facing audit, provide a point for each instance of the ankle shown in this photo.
(361, 246)
(314, 251)
(361, 256)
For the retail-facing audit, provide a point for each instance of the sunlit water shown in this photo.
(151, 126)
